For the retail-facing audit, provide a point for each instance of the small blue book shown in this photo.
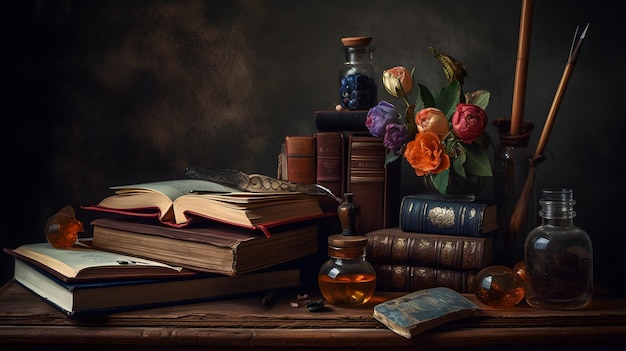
(416, 312)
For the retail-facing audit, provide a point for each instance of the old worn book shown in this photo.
(211, 247)
(300, 153)
(181, 201)
(341, 121)
(397, 247)
(427, 213)
(108, 296)
(419, 311)
(391, 277)
(83, 263)
(375, 188)
(331, 166)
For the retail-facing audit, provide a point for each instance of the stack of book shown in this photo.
(175, 241)
(345, 158)
(439, 243)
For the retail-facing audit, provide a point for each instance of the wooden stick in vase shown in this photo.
(521, 69)
(520, 212)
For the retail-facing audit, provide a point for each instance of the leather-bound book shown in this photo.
(301, 165)
(341, 121)
(376, 188)
(397, 247)
(391, 277)
(331, 168)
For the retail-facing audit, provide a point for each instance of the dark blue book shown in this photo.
(427, 213)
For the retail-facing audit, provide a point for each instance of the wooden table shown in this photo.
(29, 322)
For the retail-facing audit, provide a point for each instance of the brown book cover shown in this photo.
(331, 168)
(411, 278)
(221, 249)
(301, 165)
(376, 188)
(397, 247)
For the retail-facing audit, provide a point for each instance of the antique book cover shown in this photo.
(397, 247)
(427, 213)
(375, 188)
(419, 311)
(300, 151)
(391, 277)
(213, 248)
(340, 121)
(331, 166)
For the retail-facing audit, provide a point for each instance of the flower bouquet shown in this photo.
(442, 136)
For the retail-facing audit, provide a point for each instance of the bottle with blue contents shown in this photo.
(357, 76)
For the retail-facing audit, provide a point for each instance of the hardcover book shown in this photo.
(181, 201)
(340, 121)
(300, 151)
(215, 248)
(419, 311)
(391, 277)
(113, 296)
(397, 247)
(426, 213)
(83, 263)
(331, 167)
(375, 188)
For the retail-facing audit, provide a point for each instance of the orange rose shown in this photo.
(426, 154)
(431, 119)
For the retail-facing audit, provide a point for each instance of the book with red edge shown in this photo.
(179, 202)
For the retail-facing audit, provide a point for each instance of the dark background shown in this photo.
(102, 93)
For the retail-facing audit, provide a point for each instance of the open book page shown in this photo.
(70, 262)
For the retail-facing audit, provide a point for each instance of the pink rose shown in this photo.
(468, 122)
(398, 81)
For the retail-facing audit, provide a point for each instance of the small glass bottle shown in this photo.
(347, 279)
(357, 76)
(559, 256)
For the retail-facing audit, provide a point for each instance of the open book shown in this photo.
(177, 202)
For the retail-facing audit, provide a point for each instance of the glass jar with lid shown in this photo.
(357, 76)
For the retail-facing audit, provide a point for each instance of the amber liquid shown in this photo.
(347, 290)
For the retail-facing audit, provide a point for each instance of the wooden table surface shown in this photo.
(29, 322)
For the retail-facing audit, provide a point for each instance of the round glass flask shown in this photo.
(357, 84)
(559, 256)
(347, 279)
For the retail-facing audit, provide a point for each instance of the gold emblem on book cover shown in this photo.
(441, 217)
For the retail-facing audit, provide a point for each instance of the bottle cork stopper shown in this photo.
(356, 41)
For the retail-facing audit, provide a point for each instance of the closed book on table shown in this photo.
(428, 213)
(301, 165)
(341, 121)
(331, 166)
(375, 188)
(208, 247)
(411, 278)
(397, 247)
(418, 311)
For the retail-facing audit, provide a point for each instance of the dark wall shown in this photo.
(104, 93)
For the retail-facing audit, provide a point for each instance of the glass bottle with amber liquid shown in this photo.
(558, 256)
(347, 279)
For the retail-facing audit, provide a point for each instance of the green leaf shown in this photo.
(477, 161)
(448, 97)
(440, 180)
(425, 98)
(459, 161)
(391, 156)
(479, 98)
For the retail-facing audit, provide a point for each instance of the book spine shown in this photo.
(375, 187)
(340, 121)
(429, 250)
(331, 170)
(422, 215)
(412, 278)
(301, 165)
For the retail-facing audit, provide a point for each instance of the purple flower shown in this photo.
(379, 116)
(396, 135)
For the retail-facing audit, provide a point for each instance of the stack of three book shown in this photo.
(134, 261)
(439, 243)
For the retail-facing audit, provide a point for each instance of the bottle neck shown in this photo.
(557, 213)
(359, 54)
